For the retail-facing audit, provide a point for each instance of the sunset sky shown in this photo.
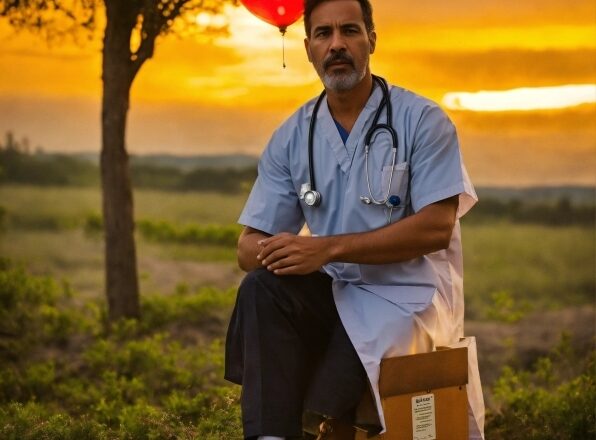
(226, 95)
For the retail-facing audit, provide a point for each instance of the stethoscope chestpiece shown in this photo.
(312, 198)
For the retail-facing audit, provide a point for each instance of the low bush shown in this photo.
(166, 232)
(554, 400)
(2, 218)
(223, 235)
(64, 375)
(182, 307)
(30, 313)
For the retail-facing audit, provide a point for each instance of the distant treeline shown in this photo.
(542, 206)
(19, 165)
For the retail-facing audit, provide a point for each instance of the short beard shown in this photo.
(342, 82)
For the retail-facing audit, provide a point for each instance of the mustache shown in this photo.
(338, 57)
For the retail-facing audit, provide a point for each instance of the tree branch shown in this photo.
(157, 18)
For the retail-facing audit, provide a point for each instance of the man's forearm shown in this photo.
(407, 239)
(427, 231)
(248, 249)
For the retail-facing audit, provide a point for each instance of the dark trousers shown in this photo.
(288, 349)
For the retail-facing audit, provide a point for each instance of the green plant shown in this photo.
(93, 225)
(506, 309)
(554, 400)
(135, 380)
(3, 217)
(190, 234)
(30, 314)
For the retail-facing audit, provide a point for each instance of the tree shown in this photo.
(126, 21)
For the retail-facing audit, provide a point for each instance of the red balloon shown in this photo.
(280, 13)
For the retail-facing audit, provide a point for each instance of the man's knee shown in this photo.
(256, 287)
(262, 289)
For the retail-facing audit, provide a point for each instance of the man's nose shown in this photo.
(338, 42)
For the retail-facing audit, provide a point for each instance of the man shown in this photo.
(381, 273)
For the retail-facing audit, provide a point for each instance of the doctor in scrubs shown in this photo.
(380, 274)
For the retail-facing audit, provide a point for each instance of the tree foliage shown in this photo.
(52, 18)
(56, 19)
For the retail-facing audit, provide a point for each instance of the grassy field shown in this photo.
(539, 267)
(530, 267)
(72, 205)
(530, 273)
(44, 231)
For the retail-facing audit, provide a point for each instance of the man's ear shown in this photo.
(372, 39)
(307, 47)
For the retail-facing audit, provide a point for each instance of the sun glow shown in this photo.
(526, 98)
(206, 20)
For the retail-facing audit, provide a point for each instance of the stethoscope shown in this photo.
(309, 193)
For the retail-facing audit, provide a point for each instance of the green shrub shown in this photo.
(30, 313)
(505, 308)
(183, 307)
(33, 421)
(63, 375)
(43, 222)
(93, 225)
(3, 216)
(552, 401)
(162, 231)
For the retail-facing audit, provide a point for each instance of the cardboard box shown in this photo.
(424, 396)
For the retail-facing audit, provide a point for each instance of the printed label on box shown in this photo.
(423, 417)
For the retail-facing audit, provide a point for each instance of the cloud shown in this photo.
(522, 98)
(437, 73)
(529, 148)
(482, 13)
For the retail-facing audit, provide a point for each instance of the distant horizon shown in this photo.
(252, 159)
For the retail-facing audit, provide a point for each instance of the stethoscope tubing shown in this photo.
(311, 135)
(315, 199)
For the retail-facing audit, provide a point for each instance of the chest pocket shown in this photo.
(398, 177)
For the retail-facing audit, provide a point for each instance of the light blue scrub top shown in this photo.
(428, 156)
(387, 309)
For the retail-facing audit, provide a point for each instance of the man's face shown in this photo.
(339, 45)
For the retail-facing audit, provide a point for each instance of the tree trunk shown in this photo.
(122, 287)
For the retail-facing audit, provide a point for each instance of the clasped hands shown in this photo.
(289, 254)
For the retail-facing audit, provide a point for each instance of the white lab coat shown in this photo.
(390, 309)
